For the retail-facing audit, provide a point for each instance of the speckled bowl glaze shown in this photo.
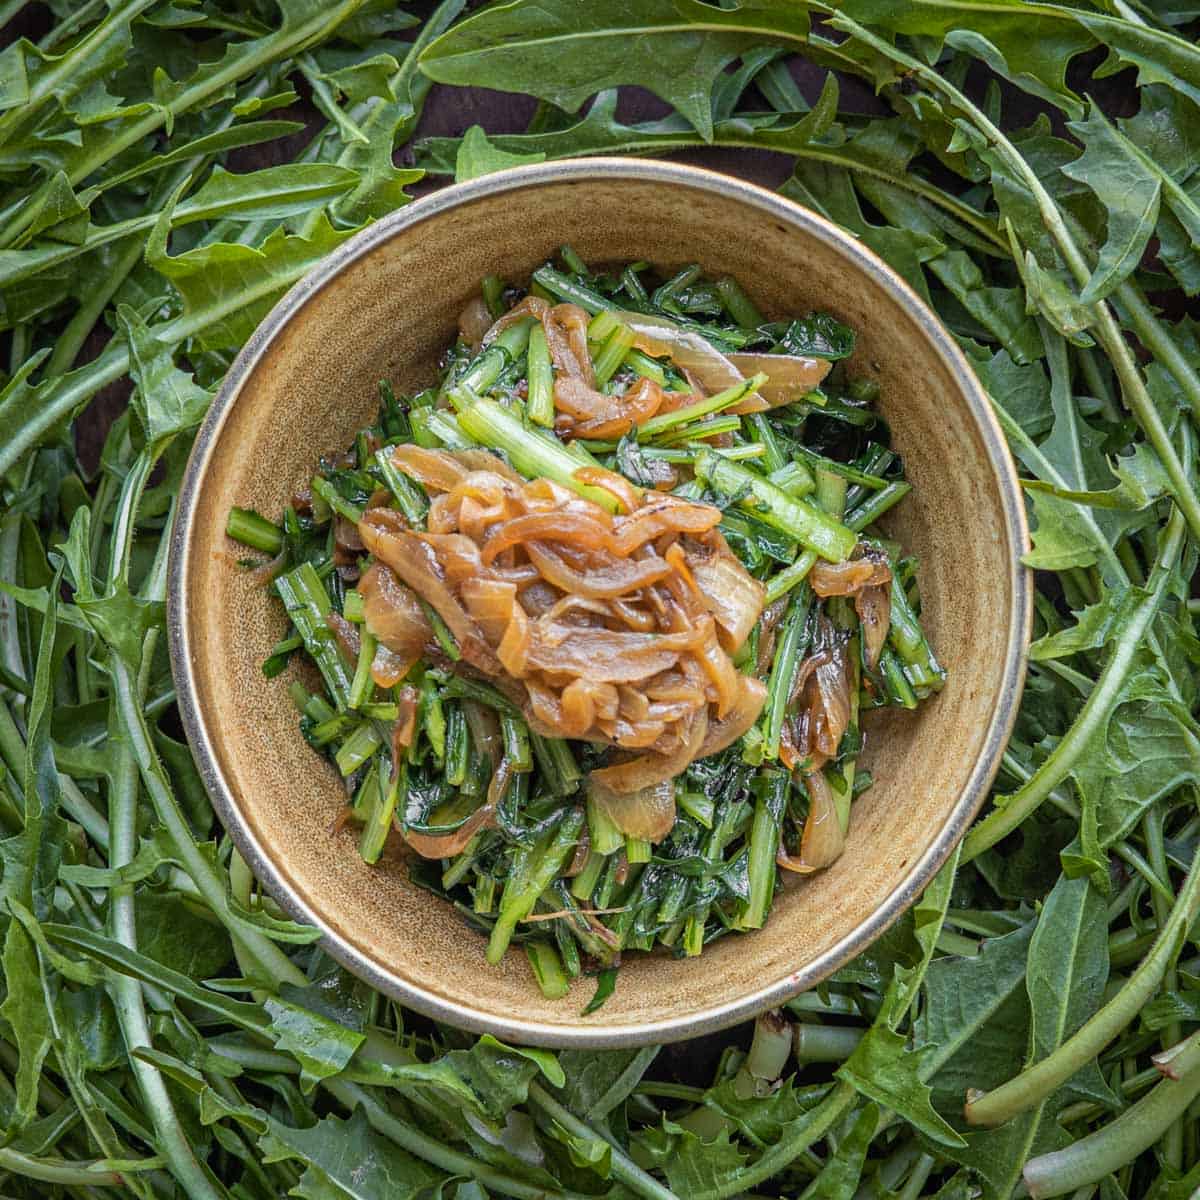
(384, 305)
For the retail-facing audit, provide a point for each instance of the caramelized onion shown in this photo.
(447, 845)
(474, 321)
(615, 577)
(692, 353)
(531, 306)
(823, 841)
(874, 608)
(734, 597)
(345, 634)
(612, 629)
(789, 376)
(406, 720)
(752, 695)
(646, 770)
(415, 562)
(648, 813)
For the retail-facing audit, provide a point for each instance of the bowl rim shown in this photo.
(970, 799)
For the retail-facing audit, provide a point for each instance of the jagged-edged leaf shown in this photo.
(477, 156)
(362, 1163)
(568, 50)
(1129, 192)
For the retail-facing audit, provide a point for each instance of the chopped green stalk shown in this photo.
(796, 517)
(605, 837)
(358, 748)
(672, 904)
(865, 391)
(462, 866)
(831, 492)
(760, 427)
(898, 687)
(461, 688)
(693, 933)
(697, 806)
(299, 695)
(434, 428)
(380, 811)
(872, 508)
(365, 793)
(431, 719)
(763, 840)
(751, 450)
(307, 604)
(331, 496)
(846, 470)
(906, 635)
(362, 687)
(648, 368)
(568, 947)
(612, 355)
(515, 734)
(329, 729)
(441, 631)
(702, 408)
(548, 969)
(458, 747)
(572, 261)
(531, 451)
(794, 478)
(788, 651)
(246, 526)
(380, 712)
(352, 607)
(634, 288)
(534, 869)
(558, 766)
(493, 295)
(603, 325)
(408, 496)
(691, 434)
(664, 297)
(584, 884)
(539, 403)
(489, 365)
(638, 850)
(562, 287)
(613, 864)
(781, 584)
(483, 894)
(738, 305)
(842, 798)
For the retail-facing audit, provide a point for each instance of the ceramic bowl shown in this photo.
(383, 306)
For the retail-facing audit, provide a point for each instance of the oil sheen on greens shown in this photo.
(169, 167)
(597, 616)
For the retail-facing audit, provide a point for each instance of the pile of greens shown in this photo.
(499, 800)
(164, 1031)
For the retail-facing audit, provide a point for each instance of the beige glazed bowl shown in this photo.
(383, 306)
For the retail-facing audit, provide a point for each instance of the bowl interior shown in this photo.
(308, 383)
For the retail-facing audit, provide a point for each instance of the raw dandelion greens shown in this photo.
(595, 662)
(167, 170)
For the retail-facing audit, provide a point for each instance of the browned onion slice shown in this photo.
(789, 376)
(415, 563)
(648, 769)
(474, 321)
(732, 595)
(690, 352)
(648, 813)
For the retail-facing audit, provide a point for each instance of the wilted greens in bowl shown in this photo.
(595, 619)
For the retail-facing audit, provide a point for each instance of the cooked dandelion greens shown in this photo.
(596, 617)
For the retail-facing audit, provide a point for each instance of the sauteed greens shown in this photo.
(598, 615)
